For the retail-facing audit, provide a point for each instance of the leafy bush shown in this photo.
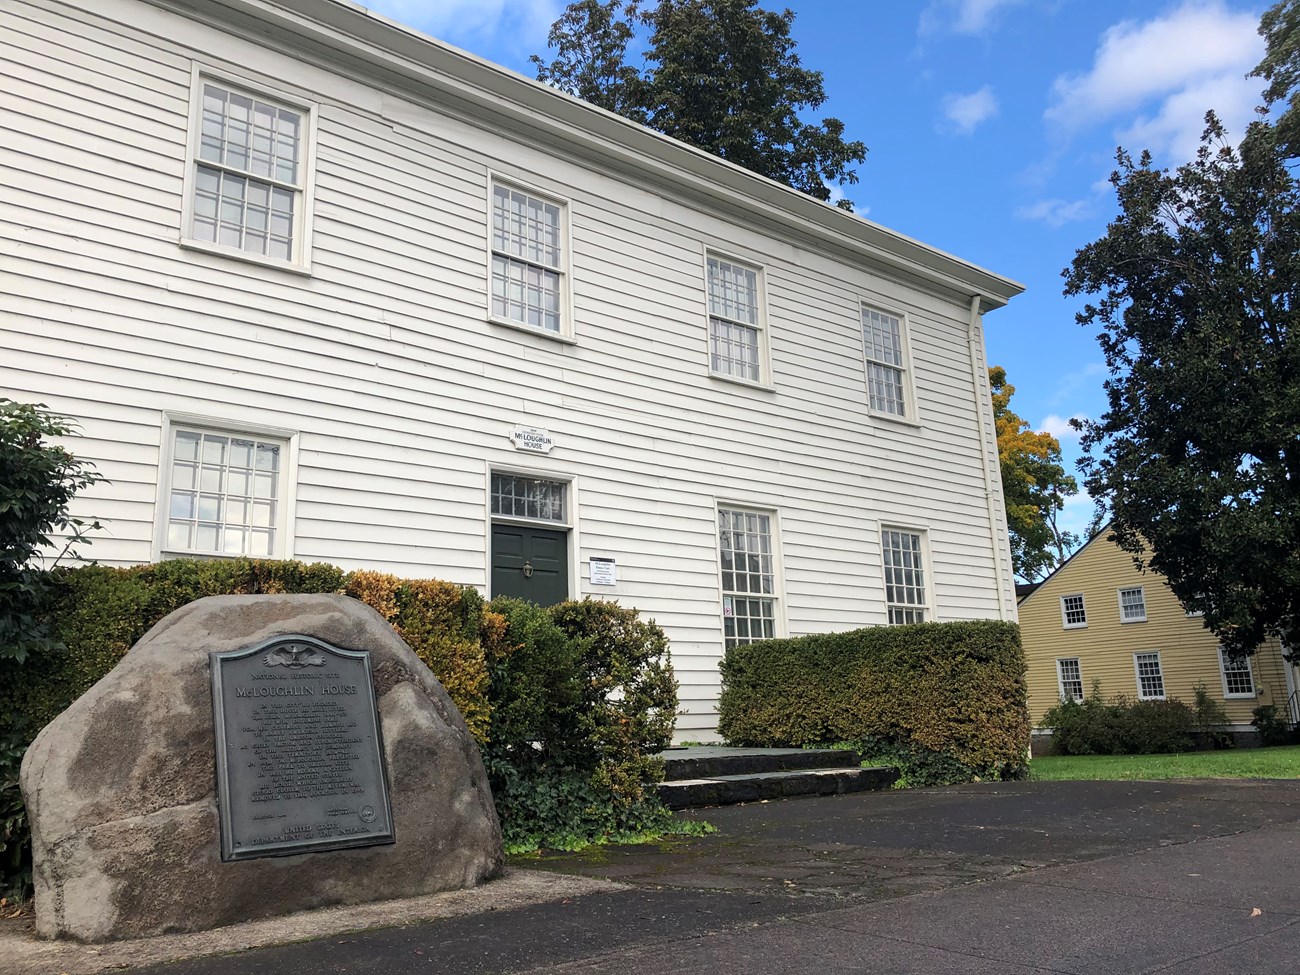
(950, 696)
(1273, 728)
(1210, 718)
(569, 703)
(1120, 727)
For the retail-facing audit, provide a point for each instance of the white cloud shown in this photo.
(1054, 213)
(1059, 426)
(965, 112)
(457, 21)
(963, 16)
(1173, 69)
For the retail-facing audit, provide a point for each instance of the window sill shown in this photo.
(1126, 622)
(203, 247)
(171, 553)
(747, 383)
(1240, 697)
(901, 421)
(1075, 626)
(541, 333)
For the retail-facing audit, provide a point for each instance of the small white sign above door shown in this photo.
(534, 439)
(603, 572)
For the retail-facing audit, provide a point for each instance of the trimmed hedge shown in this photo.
(569, 703)
(946, 701)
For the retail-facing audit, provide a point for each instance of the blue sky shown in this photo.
(992, 127)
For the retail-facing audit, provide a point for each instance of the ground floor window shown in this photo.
(748, 575)
(905, 589)
(225, 494)
(1070, 678)
(1150, 679)
(1237, 678)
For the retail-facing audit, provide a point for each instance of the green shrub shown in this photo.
(1157, 727)
(950, 694)
(1120, 727)
(1210, 719)
(1272, 727)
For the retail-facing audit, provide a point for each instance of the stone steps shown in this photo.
(716, 775)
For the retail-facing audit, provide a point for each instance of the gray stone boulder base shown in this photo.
(121, 787)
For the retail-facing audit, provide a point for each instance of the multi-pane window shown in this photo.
(735, 325)
(1237, 679)
(1132, 605)
(905, 592)
(882, 339)
(250, 174)
(1070, 678)
(515, 496)
(1151, 682)
(748, 576)
(527, 259)
(224, 494)
(1072, 611)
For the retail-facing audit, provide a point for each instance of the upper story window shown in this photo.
(1069, 678)
(248, 181)
(528, 260)
(748, 561)
(882, 340)
(1132, 605)
(1150, 679)
(735, 321)
(1072, 612)
(905, 589)
(225, 494)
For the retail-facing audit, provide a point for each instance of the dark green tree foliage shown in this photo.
(721, 75)
(1197, 456)
(38, 480)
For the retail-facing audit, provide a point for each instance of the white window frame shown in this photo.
(1083, 605)
(1060, 678)
(571, 524)
(764, 380)
(566, 333)
(300, 261)
(1137, 675)
(927, 570)
(777, 596)
(909, 414)
(286, 510)
(1223, 675)
(1119, 597)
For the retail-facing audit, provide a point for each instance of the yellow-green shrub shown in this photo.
(948, 695)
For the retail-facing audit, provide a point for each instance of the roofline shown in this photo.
(431, 68)
(1055, 572)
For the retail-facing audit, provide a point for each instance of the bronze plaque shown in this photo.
(300, 760)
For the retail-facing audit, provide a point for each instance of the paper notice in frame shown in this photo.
(603, 572)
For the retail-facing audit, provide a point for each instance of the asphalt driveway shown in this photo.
(1185, 877)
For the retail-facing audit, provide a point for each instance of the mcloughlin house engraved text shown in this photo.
(299, 757)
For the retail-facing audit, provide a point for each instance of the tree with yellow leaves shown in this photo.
(1034, 487)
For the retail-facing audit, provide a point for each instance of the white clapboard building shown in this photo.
(317, 286)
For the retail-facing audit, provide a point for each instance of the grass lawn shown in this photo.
(1236, 763)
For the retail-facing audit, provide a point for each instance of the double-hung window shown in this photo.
(882, 340)
(1150, 679)
(1073, 614)
(735, 320)
(905, 589)
(1132, 605)
(748, 561)
(528, 260)
(248, 182)
(1237, 678)
(1069, 678)
(225, 494)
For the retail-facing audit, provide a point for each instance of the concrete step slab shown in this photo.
(714, 761)
(727, 789)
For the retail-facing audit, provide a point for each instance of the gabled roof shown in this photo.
(350, 39)
(1038, 587)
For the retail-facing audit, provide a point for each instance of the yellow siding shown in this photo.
(1105, 646)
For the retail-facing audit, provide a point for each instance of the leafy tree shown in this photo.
(721, 75)
(1034, 487)
(1195, 287)
(38, 479)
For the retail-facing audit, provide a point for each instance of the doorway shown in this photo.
(530, 563)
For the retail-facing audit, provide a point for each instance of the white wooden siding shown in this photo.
(402, 392)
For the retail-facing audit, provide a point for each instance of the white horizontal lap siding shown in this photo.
(403, 394)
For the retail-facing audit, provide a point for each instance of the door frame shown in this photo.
(569, 526)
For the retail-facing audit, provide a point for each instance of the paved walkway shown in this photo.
(1021, 878)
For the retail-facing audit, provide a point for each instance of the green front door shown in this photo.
(530, 563)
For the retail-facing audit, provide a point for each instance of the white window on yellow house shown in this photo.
(1150, 679)
(1132, 605)
(1069, 678)
(1072, 612)
(1237, 678)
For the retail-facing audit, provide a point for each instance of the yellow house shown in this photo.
(1099, 618)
